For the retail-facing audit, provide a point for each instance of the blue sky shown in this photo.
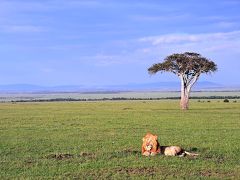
(99, 42)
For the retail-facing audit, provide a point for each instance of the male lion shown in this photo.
(152, 147)
(175, 151)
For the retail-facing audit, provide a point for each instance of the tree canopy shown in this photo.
(188, 63)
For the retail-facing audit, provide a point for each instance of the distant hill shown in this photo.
(163, 86)
(29, 88)
(157, 86)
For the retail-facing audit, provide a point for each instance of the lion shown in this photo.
(152, 147)
(175, 151)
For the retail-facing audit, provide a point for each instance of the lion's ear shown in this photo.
(156, 137)
(143, 139)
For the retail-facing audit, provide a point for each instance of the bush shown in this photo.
(226, 100)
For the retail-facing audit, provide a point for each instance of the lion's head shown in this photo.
(150, 145)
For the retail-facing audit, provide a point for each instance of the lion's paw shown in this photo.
(146, 153)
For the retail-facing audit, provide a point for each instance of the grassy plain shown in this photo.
(102, 140)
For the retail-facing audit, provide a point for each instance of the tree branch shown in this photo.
(192, 82)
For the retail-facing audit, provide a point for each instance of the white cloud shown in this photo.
(163, 18)
(146, 50)
(108, 59)
(190, 38)
(231, 2)
(12, 6)
(8, 6)
(226, 24)
(48, 70)
(101, 59)
(21, 28)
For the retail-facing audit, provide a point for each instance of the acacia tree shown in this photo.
(188, 67)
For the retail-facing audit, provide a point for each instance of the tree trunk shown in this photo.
(184, 102)
(185, 92)
(186, 85)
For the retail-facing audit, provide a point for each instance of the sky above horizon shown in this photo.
(110, 42)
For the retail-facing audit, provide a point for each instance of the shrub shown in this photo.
(226, 100)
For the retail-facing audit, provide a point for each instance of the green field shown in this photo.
(102, 140)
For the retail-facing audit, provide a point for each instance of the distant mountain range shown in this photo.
(157, 86)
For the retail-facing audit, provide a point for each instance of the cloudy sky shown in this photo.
(99, 42)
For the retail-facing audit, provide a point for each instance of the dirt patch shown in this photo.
(29, 162)
(127, 108)
(123, 172)
(130, 151)
(60, 156)
(65, 156)
(191, 158)
(216, 174)
(123, 153)
(87, 155)
(150, 171)
(218, 159)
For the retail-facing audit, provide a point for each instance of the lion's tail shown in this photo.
(190, 154)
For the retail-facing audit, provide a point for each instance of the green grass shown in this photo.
(92, 140)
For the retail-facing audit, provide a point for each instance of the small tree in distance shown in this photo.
(188, 67)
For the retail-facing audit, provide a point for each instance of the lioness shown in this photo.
(152, 147)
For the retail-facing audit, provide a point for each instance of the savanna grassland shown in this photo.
(102, 140)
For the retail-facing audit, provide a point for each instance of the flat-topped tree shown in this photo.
(188, 67)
